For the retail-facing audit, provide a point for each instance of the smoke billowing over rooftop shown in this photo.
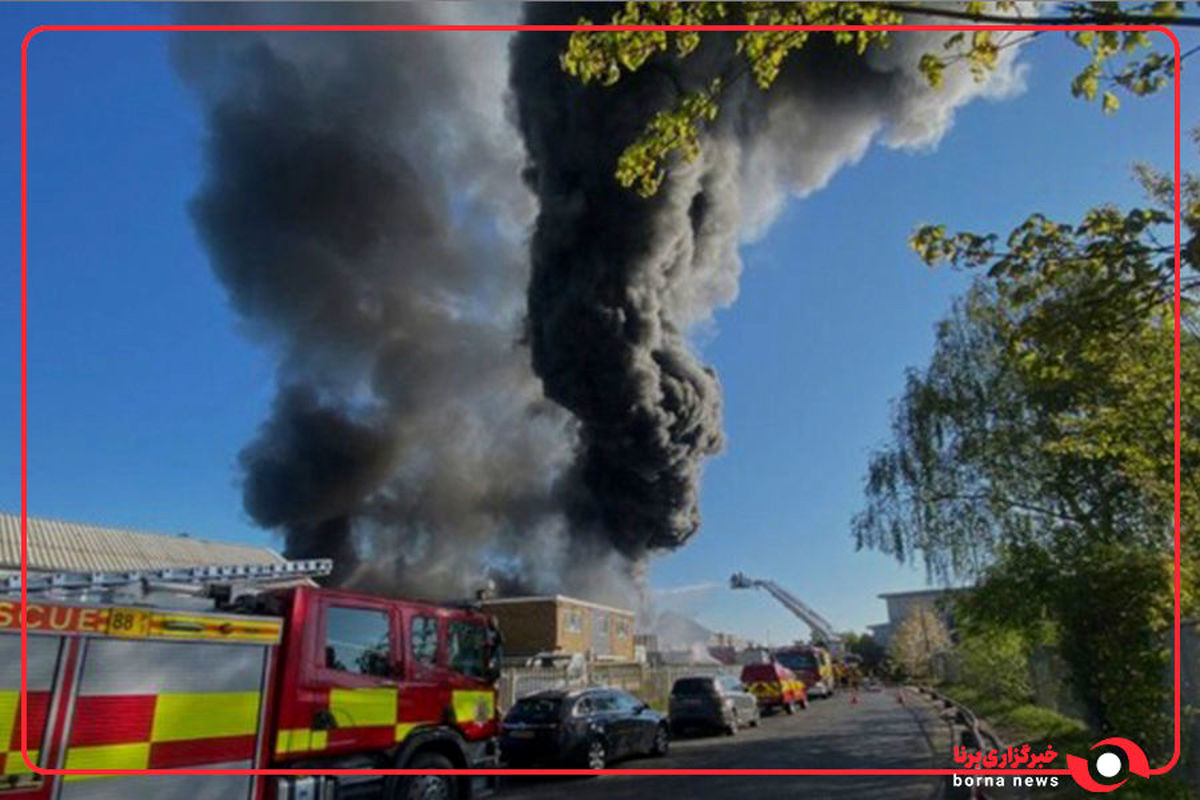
(484, 363)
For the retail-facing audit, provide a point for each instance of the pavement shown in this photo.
(877, 732)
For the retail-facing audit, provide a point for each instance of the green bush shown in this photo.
(996, 662)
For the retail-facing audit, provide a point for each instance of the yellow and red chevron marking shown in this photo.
(364, 718)
(475, 712)
(764, 689)
(11, 762)
(371, 718)
(163, 731)
(774, 690)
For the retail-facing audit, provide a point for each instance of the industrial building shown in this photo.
(554, 623)
(902, 604)
(57, 546)
(530, 625)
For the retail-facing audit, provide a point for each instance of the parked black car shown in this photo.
(588, 728)
(720, 703)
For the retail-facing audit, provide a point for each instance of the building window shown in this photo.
(573, 620)
(622, 629)
(424, 639)
(358, 640)
(603, 622)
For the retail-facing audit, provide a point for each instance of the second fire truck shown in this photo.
(123, 674)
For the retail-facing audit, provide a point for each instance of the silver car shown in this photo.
(712, 703)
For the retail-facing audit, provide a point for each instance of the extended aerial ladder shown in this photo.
(820, 626)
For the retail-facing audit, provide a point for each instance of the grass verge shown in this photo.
(1020, 723)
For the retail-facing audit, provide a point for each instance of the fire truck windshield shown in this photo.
(797, 661)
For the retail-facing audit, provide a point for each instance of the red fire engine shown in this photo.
(207, 669)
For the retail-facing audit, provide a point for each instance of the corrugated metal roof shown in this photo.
(56, 546)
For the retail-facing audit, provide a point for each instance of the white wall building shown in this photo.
(901, 604)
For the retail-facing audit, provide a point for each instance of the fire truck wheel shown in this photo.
(425, 787)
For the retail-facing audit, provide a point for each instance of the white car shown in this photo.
(573, 663)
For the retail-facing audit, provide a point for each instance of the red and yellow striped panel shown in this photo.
(775, 690)
(11, 762)
(377, 718)
(168, 730)
(218, 750)
(475, 713)
(381, 717)
(112, 719)
(764, 689)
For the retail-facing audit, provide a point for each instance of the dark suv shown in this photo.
(720, 703)
(588, 728)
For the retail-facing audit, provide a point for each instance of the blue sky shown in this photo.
(142, 389)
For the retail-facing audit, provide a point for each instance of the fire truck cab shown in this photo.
(301, 678)
(368, 682)
(814, 666)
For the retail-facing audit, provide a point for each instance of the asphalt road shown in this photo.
(877, 732)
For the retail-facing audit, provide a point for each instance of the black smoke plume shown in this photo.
(363, 208)
(454, 399)
(619, 281)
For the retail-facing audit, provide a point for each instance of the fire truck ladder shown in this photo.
(818, 624)
(220, 582)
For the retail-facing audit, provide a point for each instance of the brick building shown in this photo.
(555, 623)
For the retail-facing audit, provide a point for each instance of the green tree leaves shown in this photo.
(672, 131)
(1034, 455)
(1117, 61)
(995, 660)
(918, 640)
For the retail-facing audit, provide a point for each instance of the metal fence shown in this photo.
(1189, 686)
(650, 683)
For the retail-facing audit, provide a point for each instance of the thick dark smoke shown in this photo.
(618, 282)
(363, 208)
(453, 400)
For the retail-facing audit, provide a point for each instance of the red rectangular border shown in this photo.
(564, 28)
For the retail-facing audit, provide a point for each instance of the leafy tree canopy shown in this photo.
(866, 648)
(1081, 321)
(1115, 62)
(917, 641)
(1035, 453)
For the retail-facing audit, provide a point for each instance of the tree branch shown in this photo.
(1083, 19)
(1018, 504)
